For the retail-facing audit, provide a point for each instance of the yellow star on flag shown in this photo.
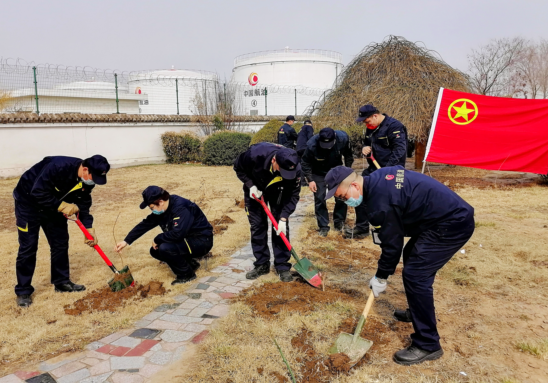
(462, 111)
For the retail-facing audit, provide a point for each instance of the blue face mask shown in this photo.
(158, 212)
(354, 202)
(88, 182)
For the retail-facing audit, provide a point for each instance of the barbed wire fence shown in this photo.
(26, 87)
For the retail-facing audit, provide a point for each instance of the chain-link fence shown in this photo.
(56, 89)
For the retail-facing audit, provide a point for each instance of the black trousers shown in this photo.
(177, 254)
(29, 220)
(320, 205)
(258, 221)
(423, 256)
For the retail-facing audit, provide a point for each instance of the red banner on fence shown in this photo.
(493, 133)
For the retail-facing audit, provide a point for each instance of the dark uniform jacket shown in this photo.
(52, 181)
(287, 136)
(388, 142)
(306, 133)
(182, 219)
(319, 161)
(254, 167)
(402, 203)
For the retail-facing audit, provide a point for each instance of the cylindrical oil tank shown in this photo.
(173, 91)
(284, 82)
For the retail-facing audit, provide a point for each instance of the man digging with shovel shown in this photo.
(186, 232)
(401, 203)
(52, 189)
(274, 172)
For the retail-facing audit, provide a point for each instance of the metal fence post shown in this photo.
(295, 102)
(224, 87)
(36, 90)
(265, 102)
(116, 86)
(177, 93)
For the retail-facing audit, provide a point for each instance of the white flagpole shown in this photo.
(431, 136)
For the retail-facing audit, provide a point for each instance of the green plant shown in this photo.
(181, 147)
(268, 133)
(222, 148)
(218, 123)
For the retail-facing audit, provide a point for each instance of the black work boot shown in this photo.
(324, 231)
(69, 287)
(184, 279)
(339, 226)
(414, 355)
(258, 271)
(24, 300)
(355, 233)
(194, 264)
(285, 276)
(403, 315)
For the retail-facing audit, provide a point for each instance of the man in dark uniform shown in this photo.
(186, 233)
(401, 203)
(54, 187)
(324, 152)
(274, 172)
(386, 140)
(306, 133)
(287, 136)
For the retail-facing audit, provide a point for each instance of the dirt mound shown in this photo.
(240, 203)
(107, 300)
(221, 224)
(270, 299)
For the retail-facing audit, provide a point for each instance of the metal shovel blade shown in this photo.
(122, 280)
(307, 270)
(355, 351)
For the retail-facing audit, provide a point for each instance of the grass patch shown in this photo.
(538, 348)
(485, 224)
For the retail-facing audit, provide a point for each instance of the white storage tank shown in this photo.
(293, 79)
(163, 88)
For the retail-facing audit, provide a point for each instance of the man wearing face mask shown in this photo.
(401, 203)
(186, 233)
(325, 151)
(386, 140)
(54, 187)
(274, 172)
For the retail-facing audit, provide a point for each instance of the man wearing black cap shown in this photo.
(386, 140)
(325, 151)
(186, 233)
(287, 136)
(401, 203)
(273, 172)
(50, 190)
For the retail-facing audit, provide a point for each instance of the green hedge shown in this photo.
(269, 132)
(222, 148)
(181, 147)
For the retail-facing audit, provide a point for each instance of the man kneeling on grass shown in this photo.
(401, 203)
(186, 232)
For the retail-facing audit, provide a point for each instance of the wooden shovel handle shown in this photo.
(368, 304)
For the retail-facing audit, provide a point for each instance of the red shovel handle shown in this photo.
(274, 223)
(90, 237)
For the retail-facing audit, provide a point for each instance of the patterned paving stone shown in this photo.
(145, 333)
(126, 377)
(181, 319)
(212, 297)
(67, 369)
(164, 325)
(177, 336)
(58, 361)
(12, 378)
(75, 376)
(153, 315)
(106, 349)
(167, 306)
(178, 353)
(24, 375)
(181, 298)
(200, 337)
(97, 355)
(195, 327)
(94, 346)
(126, 362)
(127, 341)
(141, 349)
(233, 289)
(181, 312)
(195, 295)
(149, 370)
(206, 305)
(189, 304)
(172, 346)
(142, 323)
(161, 357)
(158, 347)
(100, 368)
(90, 361)
(119, 351)
(227, 295)
(227, 280)
(111, 338)
(202, 286)
(207, 321)
(97, 379)
(211, 279)
(219, 310)
(43, 378)
(197, 312)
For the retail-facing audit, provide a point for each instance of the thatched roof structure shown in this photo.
(400, 78)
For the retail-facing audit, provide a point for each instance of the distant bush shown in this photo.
(222, 148)
(268, 133)
(356, 135)
(181, 147)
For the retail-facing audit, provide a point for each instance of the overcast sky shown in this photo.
(208, 35)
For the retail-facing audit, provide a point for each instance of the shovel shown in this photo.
(303, 266)
(123, 278)
(353, 345)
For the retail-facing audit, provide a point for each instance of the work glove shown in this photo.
(254, 191)
(377, 285)
(68, 209)
(282, 227)
(90, 242)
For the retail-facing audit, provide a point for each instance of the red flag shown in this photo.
(493, 133)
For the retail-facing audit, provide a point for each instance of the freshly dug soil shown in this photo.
(107, 300)
(240, 203)
(221, 224)
(270, 299)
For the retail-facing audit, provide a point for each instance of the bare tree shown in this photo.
(492, 68)
(543, 67)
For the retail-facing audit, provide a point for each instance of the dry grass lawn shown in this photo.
(43, 330)
(491, 303)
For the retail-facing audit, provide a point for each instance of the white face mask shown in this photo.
(87, 182)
